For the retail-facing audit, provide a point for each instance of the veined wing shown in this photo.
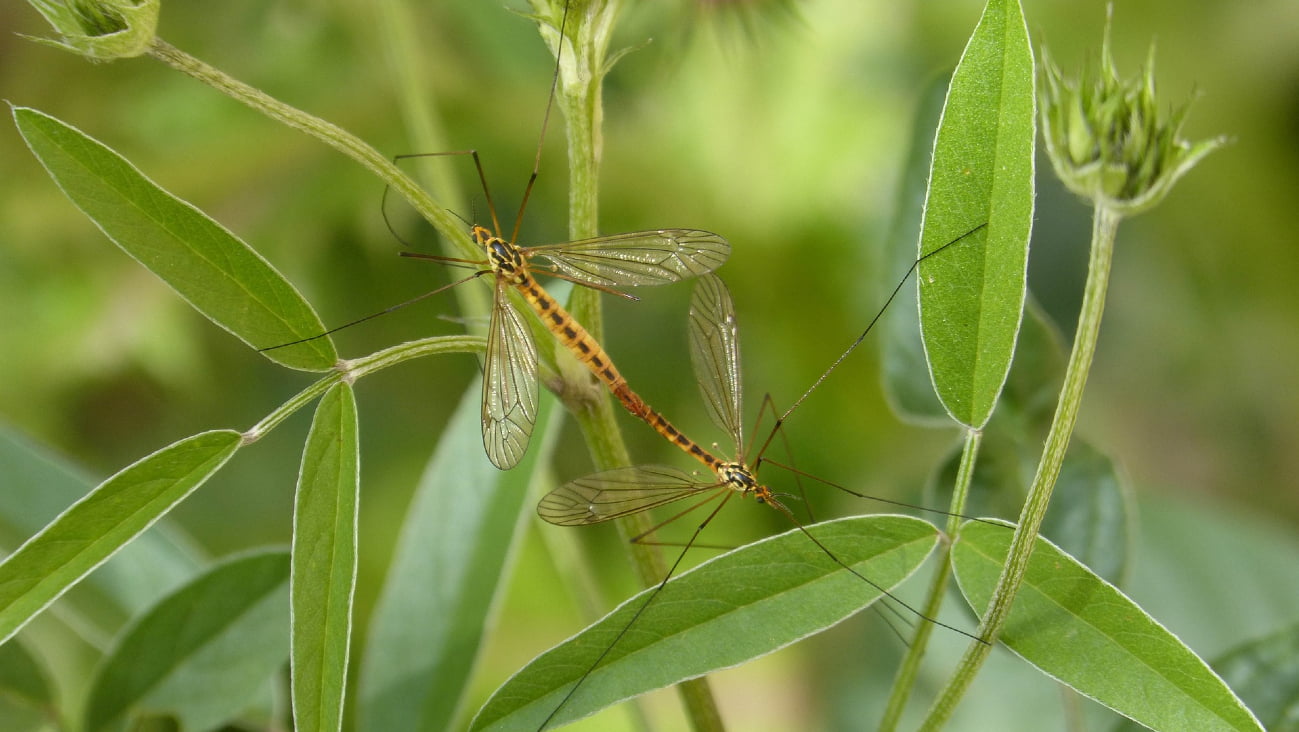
(637, 258)
(715, 354)
(509, 384)
(619, 492)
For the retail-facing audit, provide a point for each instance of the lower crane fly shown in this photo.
(715, 356)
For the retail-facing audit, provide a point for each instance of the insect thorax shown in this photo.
(738, 477)
(505, 258)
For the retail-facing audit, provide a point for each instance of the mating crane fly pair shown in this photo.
(657, 257)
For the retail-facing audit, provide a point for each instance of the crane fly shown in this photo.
(606, 263)
(715, 356)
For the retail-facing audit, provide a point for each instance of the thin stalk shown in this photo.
(327, 132)
(910, 669)
(1104, 225)
(354, 369)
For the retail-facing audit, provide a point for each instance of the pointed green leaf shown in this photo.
(736, 607)
(971, 295)
(324, 562)
(203, 653)
(1085, 633)
(450, 559)
(221, 276)
(101, 523)
(37, 485)
(1265, 673)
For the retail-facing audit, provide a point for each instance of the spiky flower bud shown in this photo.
(1107, 139)
(102, 30)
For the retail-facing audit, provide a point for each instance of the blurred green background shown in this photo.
(784, 132)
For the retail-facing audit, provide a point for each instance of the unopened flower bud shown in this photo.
(1107, 139)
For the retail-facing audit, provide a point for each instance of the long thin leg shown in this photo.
(385, 311)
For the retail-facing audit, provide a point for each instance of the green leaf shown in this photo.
(35, 487)
(324, 562)
(24, 688)
(972, 295)
(1085, 633)
(203, 653)
(736, 607)
(222, 277)
(907, 385)
(97, 526)
(450, 559)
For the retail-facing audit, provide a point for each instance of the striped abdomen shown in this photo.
(577, 340)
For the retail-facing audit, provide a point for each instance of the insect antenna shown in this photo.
(383, 201)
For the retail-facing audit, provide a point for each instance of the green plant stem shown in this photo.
(351, 370)
(579, 95)
(910, 669)
(1104, 225)
(329, 133)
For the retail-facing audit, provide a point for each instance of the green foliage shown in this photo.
(38, 486)
(101, 29)
(1265, 672)
(97, 526)
(26, 694)
(775, 162)
(456, 541)
(1108, 139)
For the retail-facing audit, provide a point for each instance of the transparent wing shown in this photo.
(715, 353)
(614, 493)
(637, 258)
(509, 384)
